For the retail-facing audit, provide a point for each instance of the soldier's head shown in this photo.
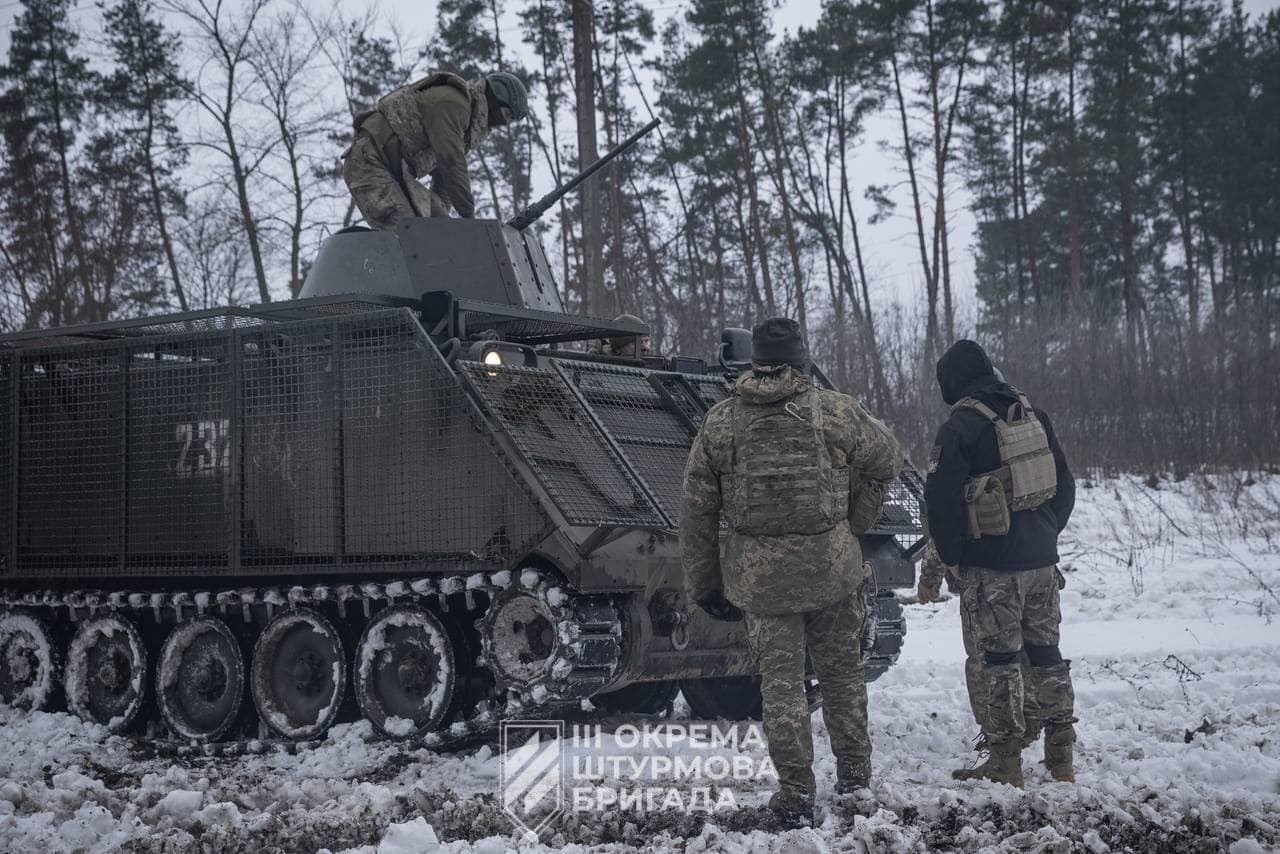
(777, 341)
(964, 367)
(507, 97)
(625, 345)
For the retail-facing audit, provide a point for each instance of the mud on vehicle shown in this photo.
(410, 495)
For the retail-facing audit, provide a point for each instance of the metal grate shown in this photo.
(210, 320)
(585, 477)
(654, 439)
(325, 445)
(710, 389)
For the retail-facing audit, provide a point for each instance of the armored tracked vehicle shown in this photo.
(412, 495)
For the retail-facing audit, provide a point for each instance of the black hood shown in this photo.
(964, 369)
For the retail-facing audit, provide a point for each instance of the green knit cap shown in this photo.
(510, 92)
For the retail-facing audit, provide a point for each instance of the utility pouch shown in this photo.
(986, 506)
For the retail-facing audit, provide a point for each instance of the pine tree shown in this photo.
(41, 109)
(140, 91)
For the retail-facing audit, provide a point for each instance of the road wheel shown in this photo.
(200, 679)
(29, 663)
(299, 673)
(106, 672)
(405, 672)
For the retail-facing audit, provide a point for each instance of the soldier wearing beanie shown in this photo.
(798, 472)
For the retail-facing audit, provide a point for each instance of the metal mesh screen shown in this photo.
(712, 390)
(421, 478)
(585, 477)
(177, 453)
(70, 459)
(654, 439)
(903, 513)
(314, 445)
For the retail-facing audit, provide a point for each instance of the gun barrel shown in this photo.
(526, 217)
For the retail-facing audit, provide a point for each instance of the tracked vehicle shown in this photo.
(412, 495)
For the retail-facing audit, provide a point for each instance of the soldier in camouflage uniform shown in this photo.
(992, 446)
(426, 129)
(932, 573)
(798, 472)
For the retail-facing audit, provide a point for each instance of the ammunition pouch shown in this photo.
(1028, 474)
(986, 506)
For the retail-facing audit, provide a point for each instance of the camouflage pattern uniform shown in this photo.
(1012, 583)
(1014, 614)
(798, 589)
(433, 123)
(932, 573)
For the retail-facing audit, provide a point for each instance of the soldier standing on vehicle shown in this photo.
(798, 472)
(999, 492)
(426, 129)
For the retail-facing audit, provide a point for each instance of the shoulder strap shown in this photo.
(1024, 405)
(975, 404)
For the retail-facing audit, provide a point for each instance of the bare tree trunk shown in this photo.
(1073, 178)
(584, 85)
(89, 311)
(753, 203)
(162, 219)
(931, 286)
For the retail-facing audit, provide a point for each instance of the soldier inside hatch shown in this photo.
(799, 473)
(426, 129)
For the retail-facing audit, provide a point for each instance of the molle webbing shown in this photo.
(1028, 471)
(782, 479)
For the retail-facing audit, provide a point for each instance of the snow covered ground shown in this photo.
(1170, 617)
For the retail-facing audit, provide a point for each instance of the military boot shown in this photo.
(1003, 765)
(1058, 740)
(792, 810)
(851, 776)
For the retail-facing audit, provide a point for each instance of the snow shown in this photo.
(1169, 619)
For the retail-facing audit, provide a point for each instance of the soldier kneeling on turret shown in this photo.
(426, 129)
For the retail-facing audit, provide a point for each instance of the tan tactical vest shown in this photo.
(1027, 477)
(782, 479)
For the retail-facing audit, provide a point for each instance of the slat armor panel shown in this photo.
(584, 475)
(326, 443)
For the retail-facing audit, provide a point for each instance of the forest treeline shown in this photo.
(1121, 160)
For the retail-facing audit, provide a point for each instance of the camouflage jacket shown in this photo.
(788, 572)
(438, 120)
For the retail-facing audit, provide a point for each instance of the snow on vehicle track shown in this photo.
(1169, 617)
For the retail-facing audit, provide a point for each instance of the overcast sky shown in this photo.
(891, 253)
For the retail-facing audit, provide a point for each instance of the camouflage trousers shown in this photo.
(831, 636)
(975, 670)
(1015, 618)
(376, 192)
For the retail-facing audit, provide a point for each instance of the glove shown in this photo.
(927, 593)
(720, 608)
